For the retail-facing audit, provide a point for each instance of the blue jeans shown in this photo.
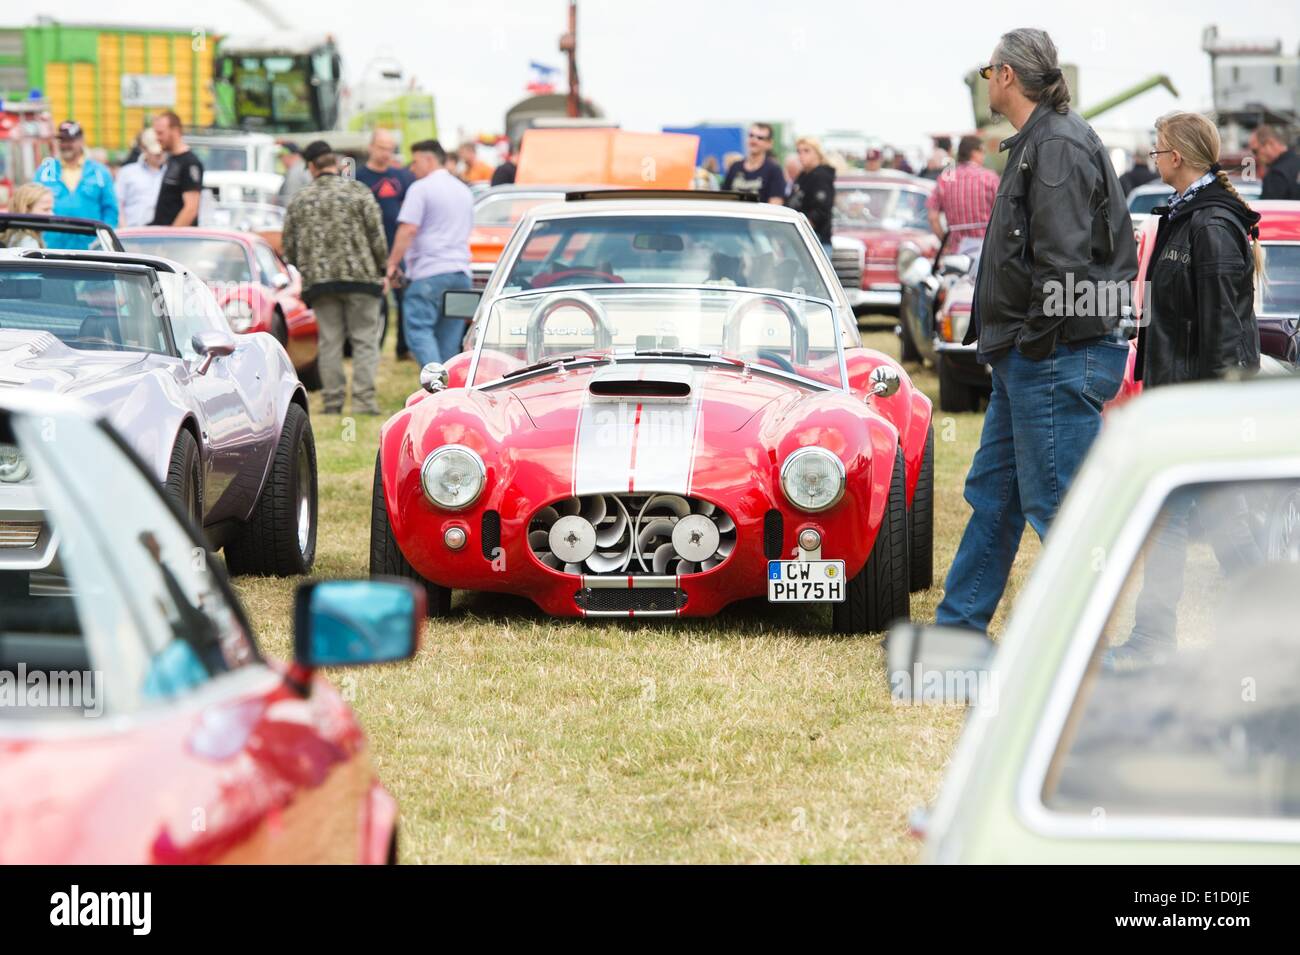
(1042, 418)
(430, 336)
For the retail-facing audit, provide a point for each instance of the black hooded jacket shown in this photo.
(814, 196)
(1199, 319)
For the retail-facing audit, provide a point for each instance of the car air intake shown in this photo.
(490, 534)
(640, 600)
(773, 534)
(642, 381)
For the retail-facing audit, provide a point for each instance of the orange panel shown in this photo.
(608, 157)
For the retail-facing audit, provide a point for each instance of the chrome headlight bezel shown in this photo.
(793, 459)
(440, 454)
(21, 468)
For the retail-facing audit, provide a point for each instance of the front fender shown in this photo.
(908, 409)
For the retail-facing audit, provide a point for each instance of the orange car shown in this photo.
(496, 211)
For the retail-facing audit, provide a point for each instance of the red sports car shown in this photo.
(139, 721)
(256, 289)
(668, 411)
(883, 210)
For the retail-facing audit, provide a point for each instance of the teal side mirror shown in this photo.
(351, 622)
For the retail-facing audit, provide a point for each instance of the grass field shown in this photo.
(753, 737)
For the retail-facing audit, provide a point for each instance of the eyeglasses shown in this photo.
(1156, 152)
(760, 138)
(986, 72)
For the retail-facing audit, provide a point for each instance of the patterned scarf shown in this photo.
(1177, 201)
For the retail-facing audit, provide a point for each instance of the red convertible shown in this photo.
(256, 289)
(139, 721)
(666, 408)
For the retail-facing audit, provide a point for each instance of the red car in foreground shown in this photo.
(139, 721)
(669, 411)
(883, 210)
(258, 290)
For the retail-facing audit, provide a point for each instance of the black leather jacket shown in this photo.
(1059, 226)
(814, 195)
(1199, 320)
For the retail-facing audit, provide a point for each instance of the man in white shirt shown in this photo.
(433, 237)
(138, 182)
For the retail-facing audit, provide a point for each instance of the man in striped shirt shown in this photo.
(963, 196)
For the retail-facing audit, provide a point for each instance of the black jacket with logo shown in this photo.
(1199, 318)
(1059, 227)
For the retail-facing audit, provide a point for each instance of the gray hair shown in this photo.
(1032, 55)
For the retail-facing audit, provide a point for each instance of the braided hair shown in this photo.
(1197, 140)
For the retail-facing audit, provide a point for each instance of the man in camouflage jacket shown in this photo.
(334, 234)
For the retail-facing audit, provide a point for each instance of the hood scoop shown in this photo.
(662, 382)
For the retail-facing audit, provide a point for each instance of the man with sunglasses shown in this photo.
(758, 173)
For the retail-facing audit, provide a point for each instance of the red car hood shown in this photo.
(884, 243)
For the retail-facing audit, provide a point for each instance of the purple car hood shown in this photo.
(38, 360)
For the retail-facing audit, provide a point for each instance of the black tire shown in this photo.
(279, 538)
(387, 559)
(184, 483)
(907, 349)
(955, 395)
(920, 523)
(878, 595)
(280, 329)
(310, 376)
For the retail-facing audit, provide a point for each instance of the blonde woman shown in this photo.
(1199, 324)
(813, 192)
(29, 198)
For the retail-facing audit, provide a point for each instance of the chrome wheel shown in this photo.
(305, 489)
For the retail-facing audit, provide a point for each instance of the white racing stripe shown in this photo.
(626, 445)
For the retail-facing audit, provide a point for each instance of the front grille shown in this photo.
(490, 534)
(16, 534)
(626, 600)
(773, 534)
(620, 535)
(848, 267)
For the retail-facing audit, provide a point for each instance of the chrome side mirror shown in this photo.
(884, 382)
(433, 377)
(211, 345)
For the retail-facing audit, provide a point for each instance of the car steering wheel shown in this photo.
(574, 277)
(777, 359)
(543, 310)
(735, 320)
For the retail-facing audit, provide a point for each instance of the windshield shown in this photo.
(213, 260)
(86, 308)
(221, 158)
(879, 207)
(1279, 293)
(506, 210)
(667, 249)
(781, 333)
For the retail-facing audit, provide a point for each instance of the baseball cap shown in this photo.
(291, 148)
(149, 142)
(315, 150)
(70, 129)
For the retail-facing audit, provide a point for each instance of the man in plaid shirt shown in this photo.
(964, 195)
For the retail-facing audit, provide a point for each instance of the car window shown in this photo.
(1191, 704)
(123, 591)
(192, 309)
(1279, 292)
(214, 260)
(506, 210)
(88, 309)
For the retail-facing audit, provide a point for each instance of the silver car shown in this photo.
(220, 420)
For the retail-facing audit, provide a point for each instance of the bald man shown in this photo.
(388, 182)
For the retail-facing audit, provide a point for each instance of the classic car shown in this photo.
(255, 287)
(220, 419)
(1145, 199)
(1194, 492)
(1277, 297)
(139, 721)
(665, 408)
(34, 230)
(883, 210)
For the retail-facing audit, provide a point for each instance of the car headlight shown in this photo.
(812, 479)
(453, 477)
(240, 314)
(13, 465)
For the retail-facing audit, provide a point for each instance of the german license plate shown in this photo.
(805, 581)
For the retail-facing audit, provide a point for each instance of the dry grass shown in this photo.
(755, 737)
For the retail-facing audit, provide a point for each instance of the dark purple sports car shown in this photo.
(219, 419)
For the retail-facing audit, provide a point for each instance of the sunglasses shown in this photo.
(760, 138)
(986, 72)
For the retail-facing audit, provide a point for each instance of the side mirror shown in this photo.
(933, 664)
(210, 346)
(294, 274)
(281, 281)
(908, 253)
(433, 377)
(956, 264)
(350, 622)
(884, 382)
(461, 303)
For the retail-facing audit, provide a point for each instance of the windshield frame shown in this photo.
(1265, 245)
(488, 306)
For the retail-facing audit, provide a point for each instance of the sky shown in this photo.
(892, 70)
